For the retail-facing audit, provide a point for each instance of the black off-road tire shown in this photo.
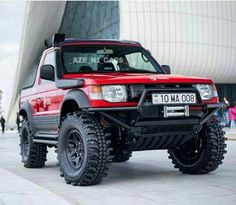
(209, 155)
(82, 134)
(33, 154)
(122, 156)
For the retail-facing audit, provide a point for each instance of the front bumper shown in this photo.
(150, 115)
(149, 119)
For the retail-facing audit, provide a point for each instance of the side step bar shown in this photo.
(51, 142)
(46, 138)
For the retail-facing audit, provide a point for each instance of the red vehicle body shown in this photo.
(48, 104)
(40, 93)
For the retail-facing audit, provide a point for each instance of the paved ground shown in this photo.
(231, 133)
(148, 178)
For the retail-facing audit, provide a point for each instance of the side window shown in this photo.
(30, 78)
(49, 60)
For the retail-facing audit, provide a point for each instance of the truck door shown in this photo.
(46, 110)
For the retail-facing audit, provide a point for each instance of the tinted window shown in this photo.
(105, 58)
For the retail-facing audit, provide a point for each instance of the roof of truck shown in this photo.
(90, 41)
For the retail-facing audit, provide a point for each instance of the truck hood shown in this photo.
(135, 78)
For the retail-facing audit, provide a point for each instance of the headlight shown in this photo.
(114, 93)
(206, 91)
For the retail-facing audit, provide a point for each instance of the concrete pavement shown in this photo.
(148, 178)
(16, 190)
(231, 133)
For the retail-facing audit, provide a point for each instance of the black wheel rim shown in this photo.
(25, 143)
(75, 149)
(190, 152)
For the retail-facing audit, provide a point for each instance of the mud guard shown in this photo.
(79, 97)
(26, 107)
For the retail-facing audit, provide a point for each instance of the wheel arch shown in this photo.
(26, 112)
(73, 101)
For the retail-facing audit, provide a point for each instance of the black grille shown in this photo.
(135, 91)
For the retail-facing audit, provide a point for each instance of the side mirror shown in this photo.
(166, 68)
(47, 72)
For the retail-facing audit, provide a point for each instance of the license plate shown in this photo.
(174, 98)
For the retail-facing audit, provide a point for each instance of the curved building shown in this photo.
(194, 38)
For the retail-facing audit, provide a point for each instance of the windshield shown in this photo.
(106, 58)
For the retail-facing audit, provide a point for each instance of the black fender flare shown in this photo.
(78, 96)
(26, 108)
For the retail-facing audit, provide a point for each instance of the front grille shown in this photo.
(135, 91)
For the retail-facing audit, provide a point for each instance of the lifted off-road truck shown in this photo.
(97, 101)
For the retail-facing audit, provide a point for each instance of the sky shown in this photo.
(11, 26)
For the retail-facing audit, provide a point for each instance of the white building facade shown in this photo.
(194, 38)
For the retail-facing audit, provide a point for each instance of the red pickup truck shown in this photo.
(97, 101)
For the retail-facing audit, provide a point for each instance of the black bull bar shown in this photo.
(146, 111)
